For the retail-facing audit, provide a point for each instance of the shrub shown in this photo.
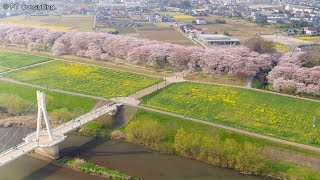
(13, 104)
(146, 132)
(61, 115)
(117, 135)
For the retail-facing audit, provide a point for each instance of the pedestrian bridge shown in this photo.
(45, 141)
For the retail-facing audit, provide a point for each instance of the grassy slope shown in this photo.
(57, 100)
(269, 114)
(174, 123)
(84, 79)
(15, 60)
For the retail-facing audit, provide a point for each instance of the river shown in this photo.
(129, 158)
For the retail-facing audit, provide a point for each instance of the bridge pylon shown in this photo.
(46, 140)
(42, 111)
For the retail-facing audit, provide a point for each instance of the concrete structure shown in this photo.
(311, 31)
(201, 21)
(45, 141)
(217, 39)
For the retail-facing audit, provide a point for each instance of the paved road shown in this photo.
(181, 116)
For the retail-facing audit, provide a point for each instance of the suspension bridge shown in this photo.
(45, 140)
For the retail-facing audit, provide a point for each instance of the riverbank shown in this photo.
(131, 159)
(169, 134)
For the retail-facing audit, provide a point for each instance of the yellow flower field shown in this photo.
(84, 79)
(274, 115)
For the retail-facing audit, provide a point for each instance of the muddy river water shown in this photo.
(129, 158)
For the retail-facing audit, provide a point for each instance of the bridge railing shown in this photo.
(13, 149)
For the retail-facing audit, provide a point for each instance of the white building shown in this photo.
(217, 39)
(201, 21)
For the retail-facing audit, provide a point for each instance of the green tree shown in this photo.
(230, 150)
(187, 144)
(146, 132)
(60, 115)
(211, 150)
(13, 104)
(250, 160)
(259, 45)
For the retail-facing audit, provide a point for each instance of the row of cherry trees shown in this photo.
(291, 77)
(239, 61)
(288, 75)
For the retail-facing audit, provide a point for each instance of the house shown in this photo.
(311, 31)
(201, 21)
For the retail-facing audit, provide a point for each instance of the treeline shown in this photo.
(245, 158)
(239, 61)
(297, 73)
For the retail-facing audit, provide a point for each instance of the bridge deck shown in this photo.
(31, 140)
(14, 153)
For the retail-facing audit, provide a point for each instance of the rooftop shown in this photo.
(216, 37)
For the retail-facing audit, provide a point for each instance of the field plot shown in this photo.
(166, 34)
(178, 15)
(15, 60)
(54, 100)
(66, 22)
(84, 79)
(279, 116)
(315, 39)
(237, 28)
(281, 47)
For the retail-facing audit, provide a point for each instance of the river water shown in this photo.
(129, 158)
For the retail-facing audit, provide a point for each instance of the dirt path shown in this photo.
(25, 67)
(167, 81)
(292, 157)
(249, 82)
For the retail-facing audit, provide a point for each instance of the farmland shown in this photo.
(164, 34)
(66, 22)
(265, 113)
(84, 79)
(315, 39)
(178, 15)
(15, 60)
(239, 29)
(281, 47)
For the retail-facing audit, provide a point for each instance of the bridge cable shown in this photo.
(16, 122)
(13, 126)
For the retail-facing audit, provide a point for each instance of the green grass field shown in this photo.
(2, 69)
(172, 124)
(84, 79)
(15, 60)
(265, 113)
(54, 100)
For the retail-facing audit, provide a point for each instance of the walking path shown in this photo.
(254, 89)
(24, 67)
(128, 101)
